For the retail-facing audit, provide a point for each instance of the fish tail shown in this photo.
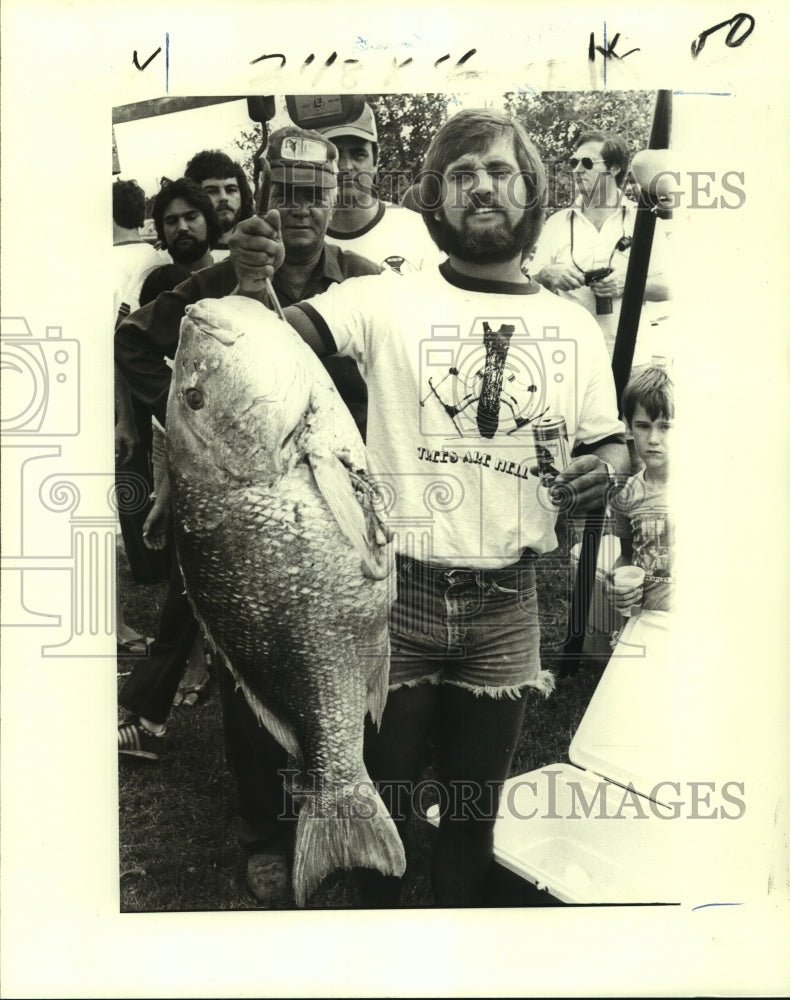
(351, 829)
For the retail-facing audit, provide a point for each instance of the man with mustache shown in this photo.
(388, 234)
(224, 182)
(460, 361)
(188, 228)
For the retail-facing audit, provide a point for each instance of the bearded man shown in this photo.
(225, 183)
(187, 227)
(460, 362)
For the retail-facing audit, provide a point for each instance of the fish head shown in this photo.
(239, 392)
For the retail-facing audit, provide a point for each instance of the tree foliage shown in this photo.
(249, 141)
(555, 119)
(406, 124)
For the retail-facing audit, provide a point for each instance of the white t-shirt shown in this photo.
(396, 238)
(431, 345)
(130, 262)
(591, 248)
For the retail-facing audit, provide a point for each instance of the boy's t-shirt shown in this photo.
(642, 514)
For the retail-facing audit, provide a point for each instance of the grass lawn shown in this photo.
(177, 824)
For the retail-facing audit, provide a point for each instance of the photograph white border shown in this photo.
(64, 67)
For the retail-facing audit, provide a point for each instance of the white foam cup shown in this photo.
(630, 578)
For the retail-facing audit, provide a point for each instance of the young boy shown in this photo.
(643, 521)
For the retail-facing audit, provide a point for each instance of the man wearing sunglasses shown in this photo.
(583, 251)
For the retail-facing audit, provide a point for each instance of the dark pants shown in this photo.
(134, 484)
(255, 758)
(476, 737)
(150, 688)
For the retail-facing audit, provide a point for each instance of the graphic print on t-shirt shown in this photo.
(653, 543)
(492, 382)
(398, 264)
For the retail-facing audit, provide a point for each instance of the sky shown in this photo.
(152, 148)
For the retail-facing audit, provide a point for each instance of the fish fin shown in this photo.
(279, 729)
(361, 525)
(351, 829)
(378, 682)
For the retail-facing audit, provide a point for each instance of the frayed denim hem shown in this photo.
(544, 682)
(429, 679)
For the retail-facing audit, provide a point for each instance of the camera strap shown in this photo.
(614, 248)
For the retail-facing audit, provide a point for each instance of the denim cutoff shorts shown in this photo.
(475, 628)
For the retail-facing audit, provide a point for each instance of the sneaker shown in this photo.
(269, 879)
(135, 740)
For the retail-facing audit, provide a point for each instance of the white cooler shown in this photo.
(604, 829)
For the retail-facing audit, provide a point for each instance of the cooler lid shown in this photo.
(629, 732)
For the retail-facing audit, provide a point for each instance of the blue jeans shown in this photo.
(478, 629)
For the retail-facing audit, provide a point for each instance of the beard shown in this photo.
(489, 244)
(188, 249)
(226, 221)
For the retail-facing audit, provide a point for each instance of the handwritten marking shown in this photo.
(704, 93)
(329, 62)
(395, 68)
(609, 51)
(731, 41)
(704, 906)
(271, 55)
(464, 58)
(147, 61)
(363, 43)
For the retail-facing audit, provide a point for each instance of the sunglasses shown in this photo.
(585, 161)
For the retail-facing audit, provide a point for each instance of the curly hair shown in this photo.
(213, 163)
(128, 204)
(194, 195)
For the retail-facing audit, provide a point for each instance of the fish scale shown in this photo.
(286, 565)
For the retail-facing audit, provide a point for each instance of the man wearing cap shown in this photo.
(304, 192)
(387, 234)
(303, 173)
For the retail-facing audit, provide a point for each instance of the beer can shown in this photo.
(551, 445)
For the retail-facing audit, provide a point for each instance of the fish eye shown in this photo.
(194, 399)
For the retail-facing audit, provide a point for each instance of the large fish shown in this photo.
(287, 564)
